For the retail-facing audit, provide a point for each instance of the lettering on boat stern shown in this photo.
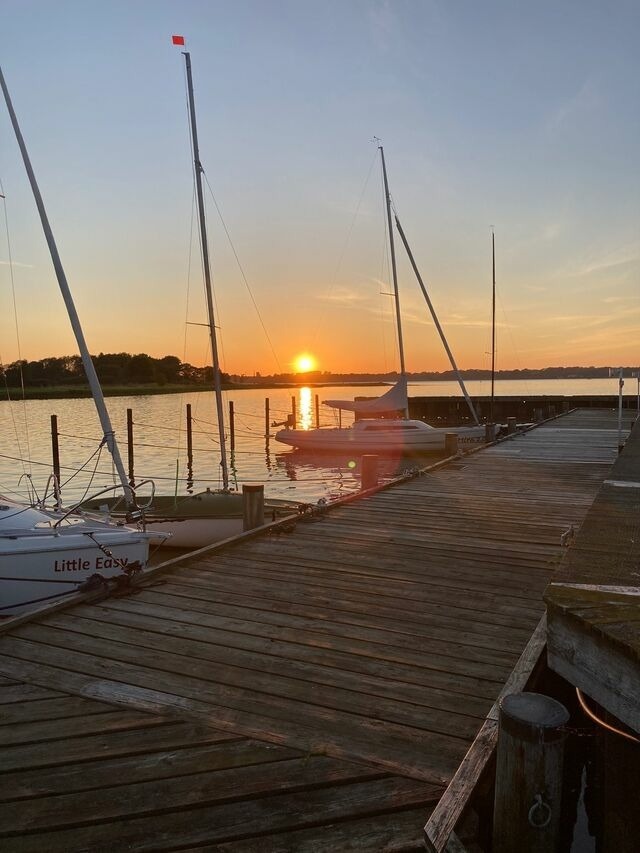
(97, 564)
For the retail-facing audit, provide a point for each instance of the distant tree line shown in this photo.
(121, 368)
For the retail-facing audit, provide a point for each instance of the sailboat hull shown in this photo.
(380, 436)
(41, 562)
(193, 521)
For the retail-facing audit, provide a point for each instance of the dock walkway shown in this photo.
(305, 691)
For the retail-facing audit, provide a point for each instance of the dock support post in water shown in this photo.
(189, 438)
(368, 471)
(489, 433)
(317, 405)
(526, 817)
(294, 419)
(55, 452)
(132, 479)
(266, 419)
(451, 444)
(232, 427)
(252, 505)
(512, 425)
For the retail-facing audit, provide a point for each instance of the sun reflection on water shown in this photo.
(306, 408)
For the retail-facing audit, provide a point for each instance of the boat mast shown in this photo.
(396, 293)
(217, 380)
(493, 324)
(98, 398)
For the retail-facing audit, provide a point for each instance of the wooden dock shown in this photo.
(307, 691)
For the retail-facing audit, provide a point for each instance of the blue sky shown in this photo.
(508, 114)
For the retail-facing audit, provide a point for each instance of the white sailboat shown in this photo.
(387, 434)
(195, 521)
(45, 554)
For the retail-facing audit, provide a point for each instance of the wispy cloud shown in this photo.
(16, 264)
(585, 100)
(621, 256)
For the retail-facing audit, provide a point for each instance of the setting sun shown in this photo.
(304, 363)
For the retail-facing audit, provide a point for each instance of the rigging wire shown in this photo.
(242, 273)
(17, 328)
(345, 245)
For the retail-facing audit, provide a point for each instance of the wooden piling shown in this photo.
(55, 452)
(368, 471)
(130, 458)
(266, 418)
(512, 425)
(232, 427)
(294, 418)
(531, 738)
(252, 505)
(317, 406)
(451, 443)
(489, 433)
(189, 438)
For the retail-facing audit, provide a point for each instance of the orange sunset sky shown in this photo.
(538, 139)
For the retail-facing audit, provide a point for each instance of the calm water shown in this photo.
(160, 441)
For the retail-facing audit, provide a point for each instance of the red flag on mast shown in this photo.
(177, 39)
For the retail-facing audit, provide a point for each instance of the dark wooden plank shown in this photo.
(210, 825)
(40, 731)
(386, 833)
(156, 762)
(160, 795)
(48, 709)
(159, 735)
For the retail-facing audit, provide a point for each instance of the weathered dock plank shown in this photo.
(171, 784)
(368, 645)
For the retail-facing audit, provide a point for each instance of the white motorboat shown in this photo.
(45, 555)
(380, 435)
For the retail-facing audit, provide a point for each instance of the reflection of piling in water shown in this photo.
(232, 427)
(189, 450)
(55, 450)
(132, 479)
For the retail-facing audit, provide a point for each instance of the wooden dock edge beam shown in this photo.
(453, 802)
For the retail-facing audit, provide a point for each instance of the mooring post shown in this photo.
(55, 452)
(232, 427)
(293, 413)
(451, 443)
(189, 438)
(489, 433)
(252, 505)
(317, 401)
(512, 425)
(266, 418)
(526, 816)
(132, 478)
(368, 471)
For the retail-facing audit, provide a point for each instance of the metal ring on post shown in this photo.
(545, 808)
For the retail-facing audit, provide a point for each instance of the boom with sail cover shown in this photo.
(393, 400)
